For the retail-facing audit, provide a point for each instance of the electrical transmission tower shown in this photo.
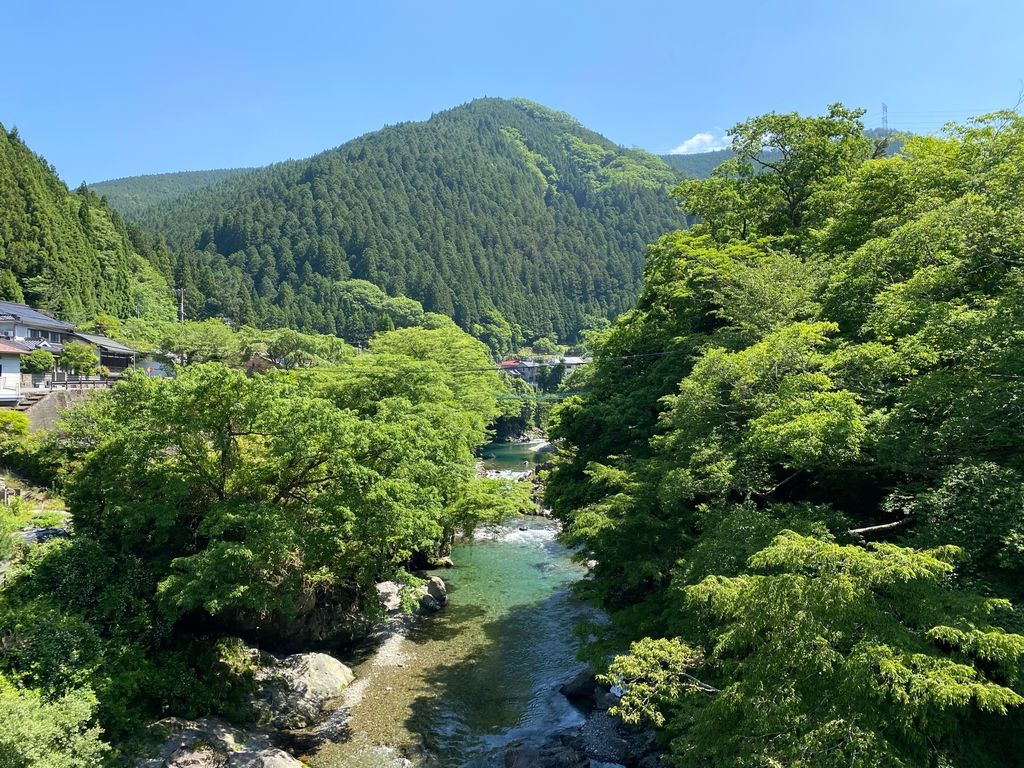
(885, 118)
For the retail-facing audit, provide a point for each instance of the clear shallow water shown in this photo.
(481, 673)
(513, 455)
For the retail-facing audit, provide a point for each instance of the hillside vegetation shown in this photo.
(698, 165)
(68, 252)
(509, 217)
(798, 460)
(132, 195)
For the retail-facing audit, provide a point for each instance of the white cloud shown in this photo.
(705, 141)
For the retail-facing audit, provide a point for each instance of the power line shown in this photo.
(497, 368)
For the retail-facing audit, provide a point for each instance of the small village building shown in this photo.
(114, 355)
(572, 363)
(527, 370)
(10, 372)
(19, 322)
(27, 329)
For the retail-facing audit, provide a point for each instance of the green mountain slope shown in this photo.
(494, 212)
(698, 165)
(132, 195)
(69, 252)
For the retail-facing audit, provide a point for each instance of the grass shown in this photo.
(36, 507)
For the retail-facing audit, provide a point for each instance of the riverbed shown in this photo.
(462, 684)
(516, 456)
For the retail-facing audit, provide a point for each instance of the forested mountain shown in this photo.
(797, 462)
(68, 252)
(698, 165)
(133, 194)
(498, 213)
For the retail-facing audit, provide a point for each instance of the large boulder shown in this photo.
(211, 743)
(296, 691)
(605, 738)
(390, 595)
(433, 595)
(581, 686)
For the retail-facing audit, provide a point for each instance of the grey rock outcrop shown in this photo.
(434, 595)
(581, 686)
(556, 756)
(212, 743)
(390, 595)
(296, 691)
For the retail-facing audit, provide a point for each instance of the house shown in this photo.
(10, 372)
(21, 322)
(530, 371)
(27, 329)
(114, 355)
(527, 370)
(572, 363)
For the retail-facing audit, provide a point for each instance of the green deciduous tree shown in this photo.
(830, 358)
(37, 361)
(79, 357)
(48, 734)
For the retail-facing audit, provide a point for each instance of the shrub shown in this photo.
(13, 424)
(37, 361)
(80, 357)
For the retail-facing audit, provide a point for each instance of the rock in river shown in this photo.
(212, 743)
(390, 595)
(581, 686)
(434, 594)
(545, 757)
(295, 691)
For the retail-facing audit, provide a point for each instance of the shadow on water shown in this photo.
(447, 625)
(460, 685)
(504, 691)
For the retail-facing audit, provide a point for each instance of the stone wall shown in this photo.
(45, 413)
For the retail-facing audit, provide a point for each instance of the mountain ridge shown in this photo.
(508, 216)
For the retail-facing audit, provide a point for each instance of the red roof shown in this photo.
(10, 349)
(509, 363)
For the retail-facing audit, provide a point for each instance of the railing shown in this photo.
(80, 382)
(10, 386)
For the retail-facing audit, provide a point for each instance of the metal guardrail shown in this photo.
(81, 383)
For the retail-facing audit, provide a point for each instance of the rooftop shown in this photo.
(104, 343)
(22, 313)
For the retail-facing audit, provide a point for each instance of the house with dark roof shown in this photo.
(21, 322)
(26, 329)
(10, 372)
(113, 354)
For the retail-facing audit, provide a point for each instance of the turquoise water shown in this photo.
(484, 671)
(513, 455)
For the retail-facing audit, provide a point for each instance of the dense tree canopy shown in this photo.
(69, 252)
(504, 215)
(267, 506)
(134, 194)
(798, 463)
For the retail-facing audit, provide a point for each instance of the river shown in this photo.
(483, 673)
(514, 455)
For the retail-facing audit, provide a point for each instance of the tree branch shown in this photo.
(883, 527)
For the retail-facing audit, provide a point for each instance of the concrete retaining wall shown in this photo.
(45, 413)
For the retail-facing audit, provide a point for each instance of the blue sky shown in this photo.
(111, 89)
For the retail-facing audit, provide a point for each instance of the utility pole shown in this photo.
(885, 118)
(181, 304)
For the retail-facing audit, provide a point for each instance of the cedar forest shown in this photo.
(795, 459)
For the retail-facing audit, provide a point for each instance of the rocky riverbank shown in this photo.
(603, 741)
(481, 683)
(298, 702)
